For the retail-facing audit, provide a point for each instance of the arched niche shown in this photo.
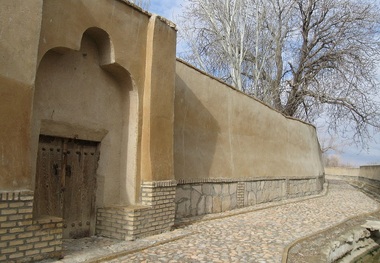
(86, 95)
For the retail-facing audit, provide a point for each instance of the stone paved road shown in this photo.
(259, 236)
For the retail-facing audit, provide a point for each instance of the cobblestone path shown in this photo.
(259, 236)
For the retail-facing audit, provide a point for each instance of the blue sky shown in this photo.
(350, 154)
(167, 8)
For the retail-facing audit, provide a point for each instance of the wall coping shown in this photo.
(229, 180)
(241, 92)
(154, 184)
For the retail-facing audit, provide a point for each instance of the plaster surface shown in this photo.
(223, 133)
(370, 172)
(124, 96)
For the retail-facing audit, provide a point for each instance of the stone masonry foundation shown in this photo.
(23, 239)
(200, 197)
(154, 216)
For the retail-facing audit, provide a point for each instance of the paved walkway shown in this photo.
(256, 236)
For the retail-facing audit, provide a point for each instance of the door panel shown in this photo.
(66, 183)
(48, 194)
(80, 187)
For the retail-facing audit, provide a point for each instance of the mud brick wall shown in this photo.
(155, 215)
(206, 196)
(23, 239)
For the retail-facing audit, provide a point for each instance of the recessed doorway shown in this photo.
(66, 183)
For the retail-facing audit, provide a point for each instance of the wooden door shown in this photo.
(48, 194)
(66, 183)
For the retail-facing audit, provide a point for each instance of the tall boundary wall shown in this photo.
(172, 141)
(231, 150)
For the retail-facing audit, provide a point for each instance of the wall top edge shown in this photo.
(228, 180)
(149, 14)
(154, 184)
(236, 90)
(370, 166)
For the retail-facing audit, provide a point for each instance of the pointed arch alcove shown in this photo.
(84, 97)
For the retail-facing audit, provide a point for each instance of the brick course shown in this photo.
(155, 215)
(23, 239)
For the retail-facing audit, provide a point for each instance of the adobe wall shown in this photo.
(371, 172)
(339, 173)
(172, 140)
(366, 177)
(102, 72)
(231, 150)
(20, 22)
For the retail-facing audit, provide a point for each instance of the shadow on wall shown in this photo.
(195, 134)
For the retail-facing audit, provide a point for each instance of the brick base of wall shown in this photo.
(196, 198)
(23, 239)
(154, 216)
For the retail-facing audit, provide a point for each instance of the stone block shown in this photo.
(232, 189)
(217, 189)
(182, 194)
(207, 189)
(233, 201)
(195, 198)
(226, 203)
(208, 204)
(183, 208)
(216, 204)
(225, 189)
(197, 188)
(252, 198)
(201, 208)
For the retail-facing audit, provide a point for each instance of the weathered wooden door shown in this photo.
(66, 183)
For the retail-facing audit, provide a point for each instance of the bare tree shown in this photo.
(303, 57)
(217, 37)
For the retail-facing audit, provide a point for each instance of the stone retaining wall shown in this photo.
(154, 216)
(304, 187)
(23, 239)
(196, 198)
(264, 191)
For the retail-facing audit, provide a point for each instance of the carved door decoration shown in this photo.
(66, 183)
